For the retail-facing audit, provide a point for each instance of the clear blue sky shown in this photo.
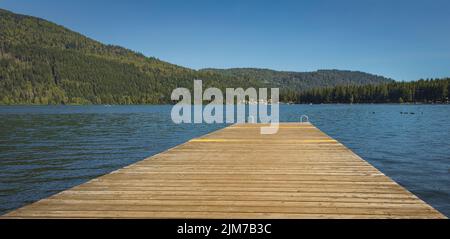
(405, 40)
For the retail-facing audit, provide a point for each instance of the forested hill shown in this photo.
(301, 81)
(44, 63)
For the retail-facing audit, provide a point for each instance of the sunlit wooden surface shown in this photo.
(236, 172)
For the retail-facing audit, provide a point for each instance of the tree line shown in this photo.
(44, 63)
(421, 91)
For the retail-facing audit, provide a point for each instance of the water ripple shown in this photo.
(47, 149)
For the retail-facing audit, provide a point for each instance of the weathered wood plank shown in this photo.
(235, 172)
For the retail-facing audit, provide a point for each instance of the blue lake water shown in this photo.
(46, 149)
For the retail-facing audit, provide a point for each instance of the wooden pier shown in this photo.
(236, 172)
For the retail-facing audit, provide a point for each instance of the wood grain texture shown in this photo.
(236, 172)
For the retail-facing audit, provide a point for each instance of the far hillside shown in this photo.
(45, 63)
(301, 81)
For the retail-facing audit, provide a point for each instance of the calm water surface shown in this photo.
(46, 149)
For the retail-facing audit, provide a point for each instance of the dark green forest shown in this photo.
(44, 63)
(422, 91)
(300, 81)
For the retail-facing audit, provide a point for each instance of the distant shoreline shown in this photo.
(281, 103)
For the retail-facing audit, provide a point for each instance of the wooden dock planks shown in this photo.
(236, 172)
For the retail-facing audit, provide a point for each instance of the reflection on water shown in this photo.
(46, 149)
